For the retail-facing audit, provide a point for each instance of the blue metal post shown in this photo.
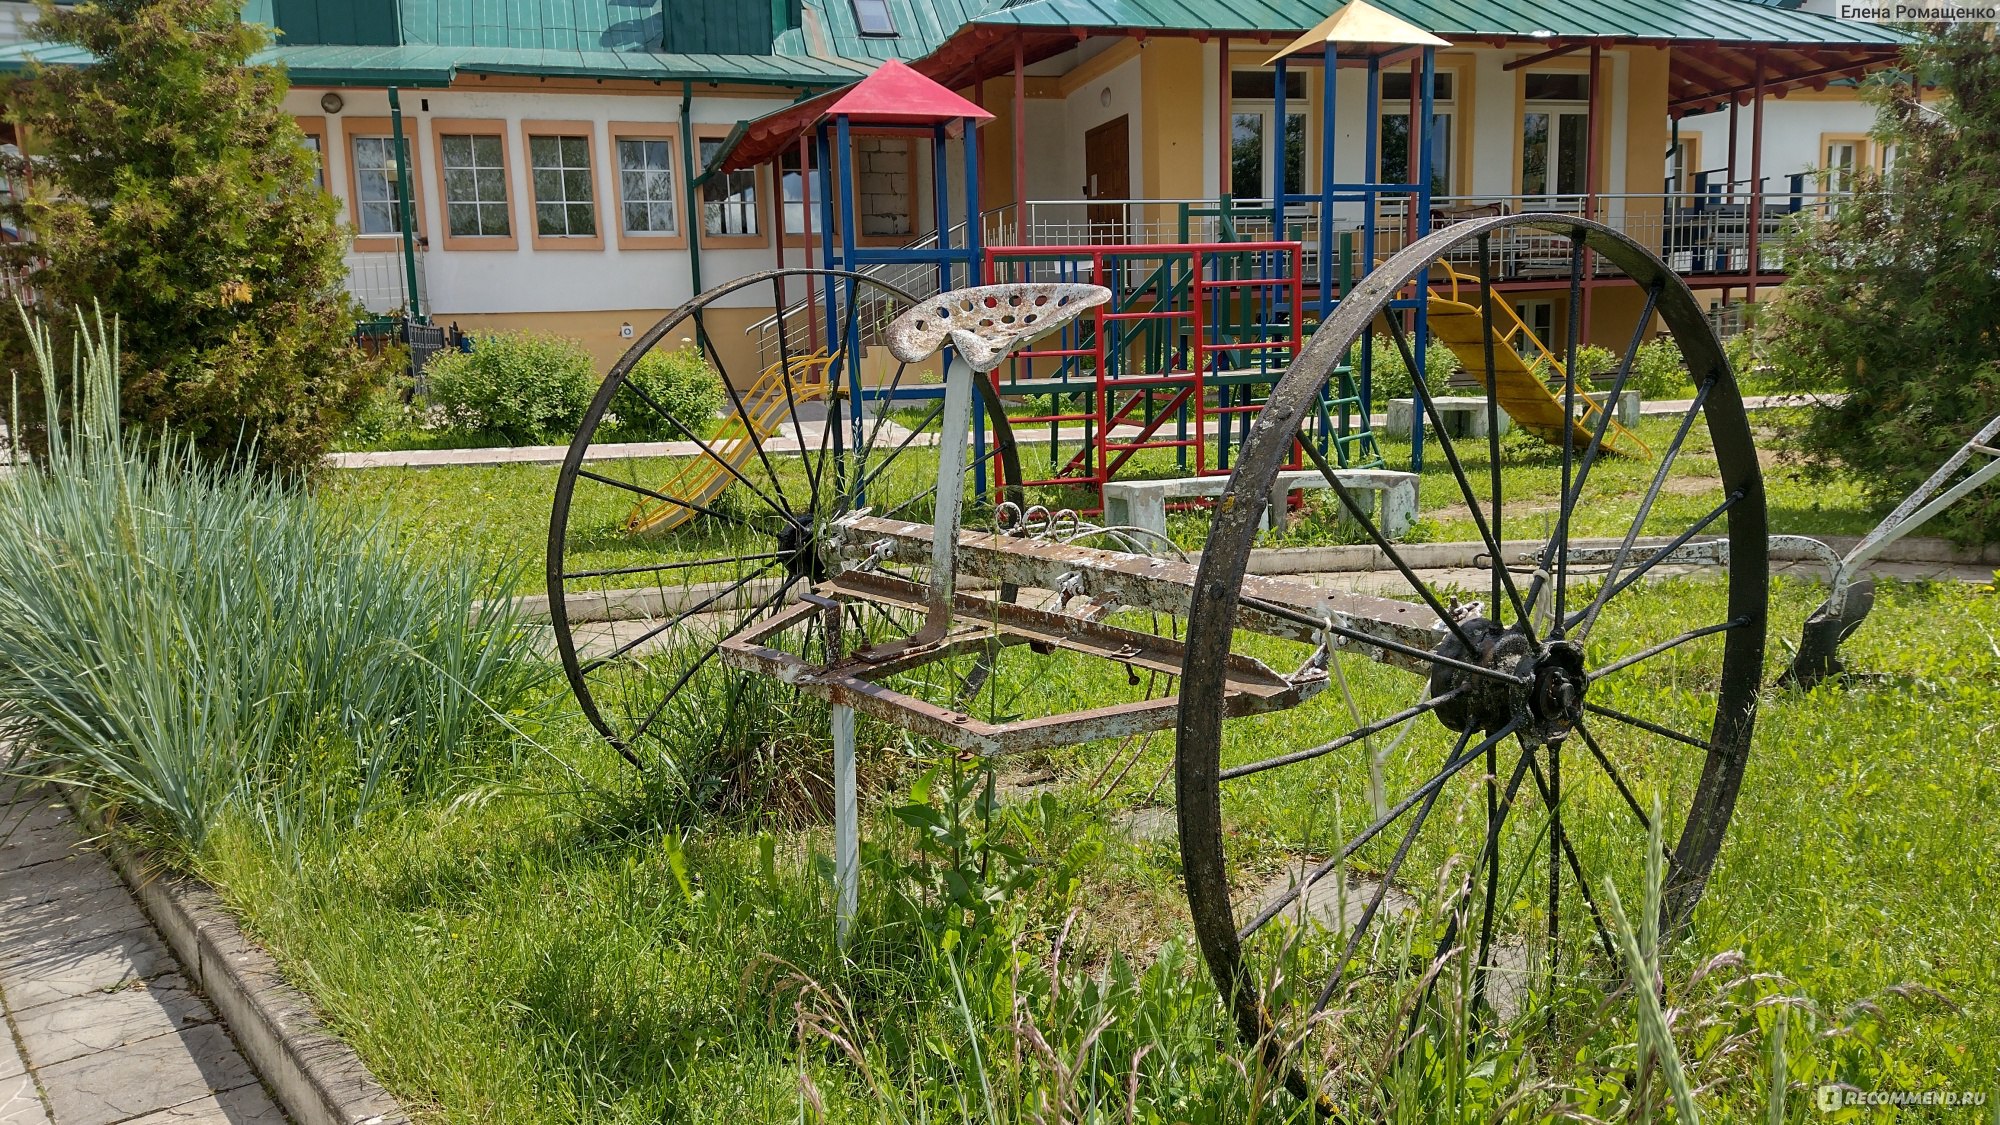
(1278, 157)
(1327, 102)
(1421, 336)
(1371, 156)
(974, 252)
(843, 144)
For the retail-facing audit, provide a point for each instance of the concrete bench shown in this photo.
(1626, 412)
(1391, 497)
(1463, 417)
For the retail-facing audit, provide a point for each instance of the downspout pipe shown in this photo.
(693, 171)
(403, 210)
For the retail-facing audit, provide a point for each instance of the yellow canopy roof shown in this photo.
(1360, 24)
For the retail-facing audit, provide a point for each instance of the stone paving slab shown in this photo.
(111, 961)
(145, 1077)
(245, 1105)
(101, 1027)
(104, 1021)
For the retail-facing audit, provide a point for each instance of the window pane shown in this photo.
(1566, 87)
(1295, 152)
(576, 152)
(646, 187)
(549, 220)
(1396, 86)
(1262, 85)
(872, 17)
(457, 151)
(576, 186)
(486, 149)
(1535, 154)
(1246, 155)
(1573, 141)
(582, 220)
(544, 152)
(1395, 148)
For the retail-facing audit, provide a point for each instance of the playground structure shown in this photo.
(868, 574)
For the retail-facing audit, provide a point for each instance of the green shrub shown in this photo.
(1595, 364)
(680, 381)
(1390, 376)
(171, 187)
(1659, 371)
(189, 644)
(524, 387)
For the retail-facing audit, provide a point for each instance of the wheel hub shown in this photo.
(801, 552)
(1544, 699)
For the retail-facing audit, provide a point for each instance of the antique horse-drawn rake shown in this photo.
(841, 567)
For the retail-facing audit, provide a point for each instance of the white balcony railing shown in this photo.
(380, 280)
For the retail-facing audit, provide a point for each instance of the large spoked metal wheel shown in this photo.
(1520, 766)
(658, 552)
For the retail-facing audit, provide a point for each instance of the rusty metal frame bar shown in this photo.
(1252, 687)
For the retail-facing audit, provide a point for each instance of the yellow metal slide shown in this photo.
(1520, 389)
(766, 406)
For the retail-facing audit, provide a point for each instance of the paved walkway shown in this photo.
(783, 442)
(100, 1027)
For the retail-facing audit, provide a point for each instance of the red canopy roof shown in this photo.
(894, 95)
(897, 95)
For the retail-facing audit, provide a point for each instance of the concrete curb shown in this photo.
(316, 1078)
(617, 605)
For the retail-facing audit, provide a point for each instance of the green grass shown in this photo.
(567, 944)
(504, 509)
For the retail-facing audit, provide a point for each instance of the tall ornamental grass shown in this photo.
(188, 643)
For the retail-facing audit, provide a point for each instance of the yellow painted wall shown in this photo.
(1170, 121)
(1646, 141)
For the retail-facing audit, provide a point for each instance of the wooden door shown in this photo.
(1107, 170)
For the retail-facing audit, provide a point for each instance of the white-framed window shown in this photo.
(646, 185)
(1540, 317)
(1395, 142)
(728, 199)
(1254, 145)
(375, 203)
(475, 185)
(792, 183)
(565, 201)
(1555, 133)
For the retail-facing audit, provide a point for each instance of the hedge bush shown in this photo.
(526, 387)
(680, 381)
(1389, 376)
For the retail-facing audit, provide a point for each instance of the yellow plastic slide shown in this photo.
(766, 406)
(1521, 391)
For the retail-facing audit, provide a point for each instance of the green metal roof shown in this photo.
(1725, 21)
(334, 65)
(921, 26)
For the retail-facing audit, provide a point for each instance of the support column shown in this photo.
(846, 825)
(1020, 145)
(1590, 153)
(1224, 142)
(1756, 178)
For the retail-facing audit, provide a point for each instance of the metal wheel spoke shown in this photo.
(1575, 318)
(1617, 779)
(1450, 450)
(590, 666)
(707, 451)
(1382, 542)
(1612, 590)
(1666, 645)
(1501, 578)
(1289, 614)
(1496, 820)
(1645, 506)
(736, 399)
(690, 505)
(791, 397)
(1388, 877)
(1277, 906)
(1642, 724)
(862, 488)
(1344, 740)
(1591, 451)
(648, 568)
(883, 399)
(1549, 797)
(756, 611)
